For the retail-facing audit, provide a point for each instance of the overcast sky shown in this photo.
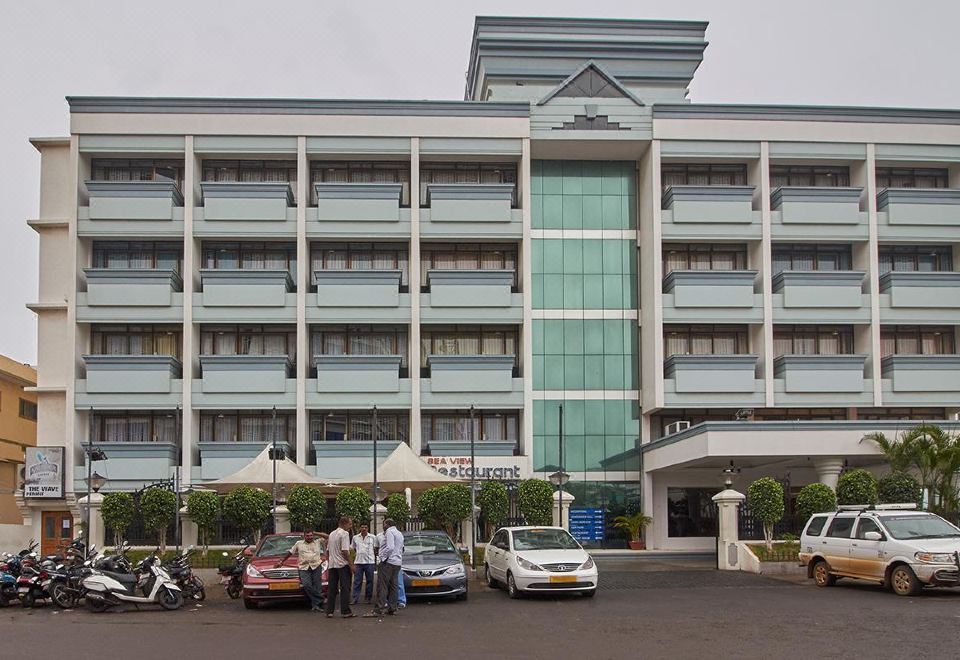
(836, 52)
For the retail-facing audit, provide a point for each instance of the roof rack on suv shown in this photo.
(876, 507)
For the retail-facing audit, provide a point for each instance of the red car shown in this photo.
(263, 582)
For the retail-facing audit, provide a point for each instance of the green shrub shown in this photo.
(248, 509)
(158, 507)
(118, 510)
(307, 506)
(857, 487)
(536, 501)
(899, 488)
(765, 497)
(203, 507)
(398, 510)
(445, 506)
(815, 498)
(493, 502)
(354, 502)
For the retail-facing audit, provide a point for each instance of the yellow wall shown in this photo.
(15, 431)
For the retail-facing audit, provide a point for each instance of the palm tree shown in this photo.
(897, 453)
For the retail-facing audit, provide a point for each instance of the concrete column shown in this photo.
(728, 501)
(413, 280)
(567, 502)
(828, 471)
(303, 283)
(378, 513)
(283, 519)
(190, 535)
(96, 517)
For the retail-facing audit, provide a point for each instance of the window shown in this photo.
(804, 257)
(812, 340)
(865, 525)
(906, 177)
(360, 340)
(454, 256)
(705, 340)
(914, 340)
(691, 512)
(252, 426)
(918, 414)
(815, 526)
(353, 172)
(809, 176)
(149, 255)
(680, 174)
(357, 426)
(840, 528)
(467, 173)
(251, 256)
(28, 410)
(488, 426)
(915, 258)
(249, 340)
(250, 171)
(359, 256)
(467, 340)
(123, 169)
(137, 426)
(799, 414)
(690, 256)
(135, 340)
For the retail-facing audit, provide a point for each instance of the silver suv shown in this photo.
(895, 545)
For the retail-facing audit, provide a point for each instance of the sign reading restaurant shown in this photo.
(488, 467)
(43, 472)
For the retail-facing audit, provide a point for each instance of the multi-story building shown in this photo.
(18, 430)
(699, 286)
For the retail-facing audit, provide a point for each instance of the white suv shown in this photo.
(891, 544)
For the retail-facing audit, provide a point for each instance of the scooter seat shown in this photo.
(122, 578)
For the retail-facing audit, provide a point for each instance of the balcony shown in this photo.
(918, 213)
(483, 380)
(134, 465)
(347, 449)
(712, 380)
(921, 379)
(124, 382)
(245, 381)
(821, 380)
(245, 210)
(353, 296)
(823, 296)
(141, 295)
(709, 212)
(459, 296)
(920, 297)
(833, 213)
(358, 210)
(358, 382)
(470, 209)
(245, 296)
(220, 459)
(133, 200)
(704, 296)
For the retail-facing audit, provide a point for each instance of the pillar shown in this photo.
(728, 503)
(282, 516)
(96, 532)
(378, 513)
(828, 471)
(189, 534)
(567, 502)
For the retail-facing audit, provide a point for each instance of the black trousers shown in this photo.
(387, 587)
(338, 582)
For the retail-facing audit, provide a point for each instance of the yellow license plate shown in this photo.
(284, 586)
(425, 583)
(563, 578)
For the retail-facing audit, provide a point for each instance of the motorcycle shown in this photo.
(231, 575)
(30, 585)
(8, 588)
(65, 587)
(180, 570)
(149, 584)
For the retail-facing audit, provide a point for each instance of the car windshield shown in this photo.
(919, 527)
(276, 546)
(544, 539)
(427, 544)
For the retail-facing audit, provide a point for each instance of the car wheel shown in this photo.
(821, 575)
(512, 589)
(904, 581)
(490, 581)
(249, 604)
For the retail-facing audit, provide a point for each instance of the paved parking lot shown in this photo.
(688, 611)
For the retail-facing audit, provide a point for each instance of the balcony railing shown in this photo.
(820, 373)
(258, 201)
(245, 288)
(136, 287)
(358, 373)
(469, 202)
(817, 205)
(131, 374)
(133, 200)
(367, 202)
(710, 204)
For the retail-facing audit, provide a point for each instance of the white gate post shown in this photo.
(728, 502)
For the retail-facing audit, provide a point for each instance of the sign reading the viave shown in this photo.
(43, 472)
(587, 524)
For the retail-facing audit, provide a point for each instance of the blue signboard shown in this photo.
(587, 524)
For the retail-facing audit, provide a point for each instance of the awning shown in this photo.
(402, 469)
(258, 473)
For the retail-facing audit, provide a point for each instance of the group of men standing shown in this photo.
(342, 570)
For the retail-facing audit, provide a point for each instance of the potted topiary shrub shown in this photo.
(634, 525)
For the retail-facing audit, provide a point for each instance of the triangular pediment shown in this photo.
(590, 81)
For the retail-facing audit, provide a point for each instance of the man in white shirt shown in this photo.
(391, 558)
(339, 568)
(364, 546)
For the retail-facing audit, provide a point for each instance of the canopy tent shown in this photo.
(258, 473)
(402, 469)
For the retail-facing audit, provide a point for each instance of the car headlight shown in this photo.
(456, 569)
(587, 565)
(527, 565)
(935, 557)
(253, 572)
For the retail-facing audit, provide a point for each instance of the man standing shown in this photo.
(364, 545)
(339, 569)
(309, 551)
(391, 558)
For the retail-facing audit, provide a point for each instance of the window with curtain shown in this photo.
(809, 176)
(360, 340)
(467, 173)
(350, 426)
(916, 258)
(456, 256)
(159, 426)
(916, 340)
(693, 256)
(364, 172)
(359, 256)
(250, 256)
(809, 257)
(467, 340)
(454, 426)
(125, 254)
(918, 414)
(812, 340)
(249, 340)
(705, 340)
(912, 177)
(250, 171)
(136, 169)
(248, 426)
(682, 174)
(135, 340)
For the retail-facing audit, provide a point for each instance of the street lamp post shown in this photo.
(176, 479)
(94, 480)
(560, 477)
(376, 483)
(473, 492)
(273, 460)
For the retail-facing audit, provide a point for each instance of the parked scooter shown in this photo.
(31, 585)
(149, 584)
(180, 570)
(231, 575)
(8, 588)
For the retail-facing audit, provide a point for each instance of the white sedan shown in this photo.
(541, 559)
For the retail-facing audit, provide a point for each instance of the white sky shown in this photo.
(836, 52)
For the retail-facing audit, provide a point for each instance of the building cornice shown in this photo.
(807, 113)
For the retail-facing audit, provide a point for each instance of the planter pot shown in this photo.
(638, 545)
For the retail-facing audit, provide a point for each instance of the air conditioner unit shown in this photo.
(676, 427)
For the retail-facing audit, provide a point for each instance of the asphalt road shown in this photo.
(645, 611)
